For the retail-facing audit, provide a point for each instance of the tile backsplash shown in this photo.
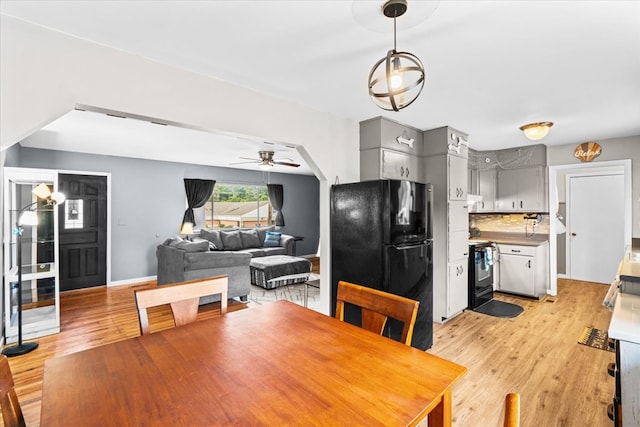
(508, 223)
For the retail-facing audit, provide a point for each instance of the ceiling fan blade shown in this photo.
(244, 163)
(295, 165)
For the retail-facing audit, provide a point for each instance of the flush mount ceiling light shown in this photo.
(536, 131)
(396, 80)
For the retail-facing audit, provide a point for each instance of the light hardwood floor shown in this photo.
(536, 354)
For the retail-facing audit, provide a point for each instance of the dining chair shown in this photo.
(377, 306)
(11, 411)
(183, 298)
(512, 410)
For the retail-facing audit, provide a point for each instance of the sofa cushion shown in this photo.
(275, 251)
(231, 240)
(262, 232)
(255, 252)
(219, 259)
(250, 239)
(272, 239)
(213, 236)
(212, 246)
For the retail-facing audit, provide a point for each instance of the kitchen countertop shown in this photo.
(625, 321)
(512, 238)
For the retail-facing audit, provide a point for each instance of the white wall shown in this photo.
(612, 149)
(44, 74)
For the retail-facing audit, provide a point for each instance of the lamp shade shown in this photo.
(187, 229)
(58, 197)
(28, 218)
(42, 191)
(536, 131)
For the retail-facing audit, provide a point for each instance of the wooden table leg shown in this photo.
(441, 414)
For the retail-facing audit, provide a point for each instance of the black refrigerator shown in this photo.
(381, 237)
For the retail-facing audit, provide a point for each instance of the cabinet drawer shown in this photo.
(517, 250)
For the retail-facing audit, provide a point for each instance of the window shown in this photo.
(239, 205)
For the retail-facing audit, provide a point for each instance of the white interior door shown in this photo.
(595, 229)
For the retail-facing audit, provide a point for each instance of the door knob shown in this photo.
(573, 234)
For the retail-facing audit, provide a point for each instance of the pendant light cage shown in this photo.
(396, 80)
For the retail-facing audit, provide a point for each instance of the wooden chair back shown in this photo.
(512, 410)
(11, 411)
(377, 306)
(183, 298)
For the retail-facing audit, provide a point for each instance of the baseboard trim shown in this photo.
(132, 281)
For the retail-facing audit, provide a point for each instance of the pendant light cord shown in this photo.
(394, 32)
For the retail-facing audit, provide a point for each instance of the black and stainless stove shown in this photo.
(481, 263)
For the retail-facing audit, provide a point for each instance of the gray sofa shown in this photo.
(219, 252)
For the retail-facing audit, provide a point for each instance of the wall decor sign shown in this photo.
(587, 151)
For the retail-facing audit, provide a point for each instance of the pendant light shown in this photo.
(396, 80)
(536, 131)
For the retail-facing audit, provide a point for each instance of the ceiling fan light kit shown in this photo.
(396, 80)
(536, 131)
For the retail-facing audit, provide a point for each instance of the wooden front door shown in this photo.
(83, 231)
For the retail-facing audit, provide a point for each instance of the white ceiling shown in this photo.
(491, 66)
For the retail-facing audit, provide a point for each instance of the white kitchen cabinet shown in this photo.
(524, 269)
(445, 167)
(521, 190)
(486, 183)
(381, 132)
(381, 163)
(458, 290)
(457, 176)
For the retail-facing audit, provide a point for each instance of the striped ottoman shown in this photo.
(270, 272)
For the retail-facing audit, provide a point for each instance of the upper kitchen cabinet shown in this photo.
(486, 185)
(522, 190)
(510, 180)
(389, 150)
(457, 178)
(381, 132)
(380, 163)
(446, 140)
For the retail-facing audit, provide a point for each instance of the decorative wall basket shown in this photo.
(587, 151)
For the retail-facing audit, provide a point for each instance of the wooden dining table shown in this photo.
(275, 364)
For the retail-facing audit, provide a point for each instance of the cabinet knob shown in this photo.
(520, 204)
(407, 172)
(529, 263)
(401, 170)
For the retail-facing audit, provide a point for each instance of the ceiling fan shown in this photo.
(267, 161)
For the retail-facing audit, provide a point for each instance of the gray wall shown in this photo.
(148, 201)
(612, 149)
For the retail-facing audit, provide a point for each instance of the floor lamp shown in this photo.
(27, 216)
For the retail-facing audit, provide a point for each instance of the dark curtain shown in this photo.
(276, 198)
(198, 192)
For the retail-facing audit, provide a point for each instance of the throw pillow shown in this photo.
(262, 231)
(189, 246)
(212, 246)
(212, 236)
(249, 239)
(272, 240)
(231, 240)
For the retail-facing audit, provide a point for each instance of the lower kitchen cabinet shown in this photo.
(458, 291)
(524, 269)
